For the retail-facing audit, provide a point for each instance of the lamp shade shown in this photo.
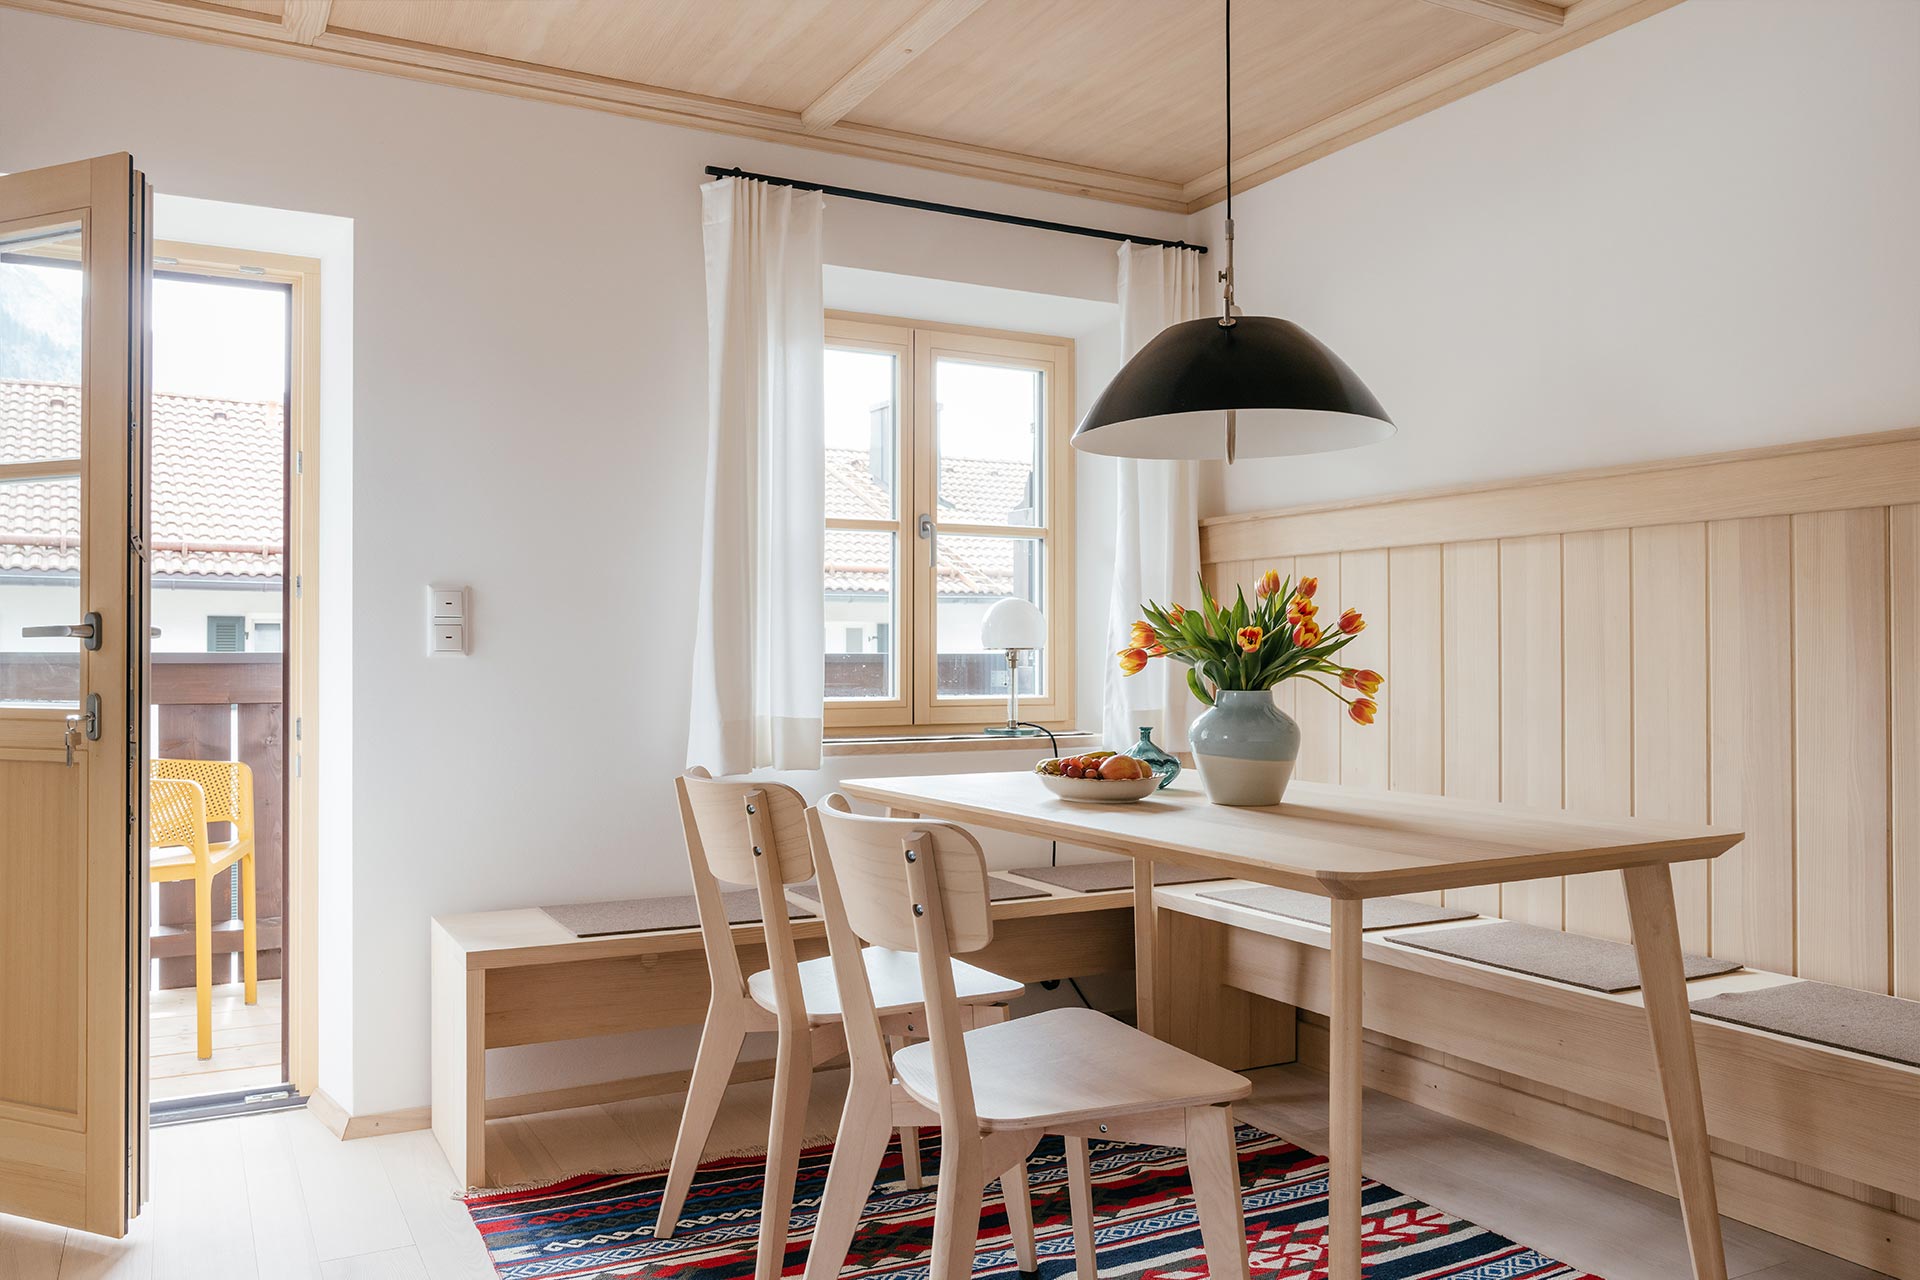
(1261, 387)
(1013, 623)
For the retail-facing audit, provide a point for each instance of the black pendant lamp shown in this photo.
(1236, 387)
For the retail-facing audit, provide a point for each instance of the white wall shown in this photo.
(527, 416)
(1696, 234)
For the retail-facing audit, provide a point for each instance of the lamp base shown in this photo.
(1010, 731)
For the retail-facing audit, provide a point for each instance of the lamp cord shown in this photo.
(1054, 858)
(1226, 272)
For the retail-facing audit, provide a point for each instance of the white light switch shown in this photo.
(446, 619)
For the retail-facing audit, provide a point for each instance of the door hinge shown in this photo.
(299, 462)
(296, 764)
(296, 586)
(296, 728)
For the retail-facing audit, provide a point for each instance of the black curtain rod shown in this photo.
(958, 211)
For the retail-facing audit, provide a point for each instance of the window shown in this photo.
(948, 488)
(226, 634)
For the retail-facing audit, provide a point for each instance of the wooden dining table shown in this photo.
(1347, 845)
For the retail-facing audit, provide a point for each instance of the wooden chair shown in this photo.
(185, 796)
(756, 833)
(920, 886)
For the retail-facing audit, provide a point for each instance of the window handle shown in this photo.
(87, 630)
(929, 532)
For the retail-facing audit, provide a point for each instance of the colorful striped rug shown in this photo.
(601, 1225)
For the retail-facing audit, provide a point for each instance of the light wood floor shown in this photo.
(246, 1041)
(276, 1197)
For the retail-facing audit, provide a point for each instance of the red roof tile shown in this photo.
(217, 484)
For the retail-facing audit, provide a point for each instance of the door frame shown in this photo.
(300, 967)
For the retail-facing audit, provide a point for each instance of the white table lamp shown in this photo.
(1014, 625)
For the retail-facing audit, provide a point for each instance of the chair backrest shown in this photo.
(871, 864)
(227, 785)
(908, 885)
(749, 833)
(177, 815)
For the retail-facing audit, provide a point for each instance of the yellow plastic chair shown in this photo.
(186, 796)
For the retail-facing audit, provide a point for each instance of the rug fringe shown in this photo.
(541, 1184)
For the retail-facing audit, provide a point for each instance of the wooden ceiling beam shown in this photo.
(1526, 15)
(305, 20)
(916, 35)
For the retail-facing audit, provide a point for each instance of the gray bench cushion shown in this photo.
(652, 915)
(1593, 963)
(1862, 1021)
(1375, 913)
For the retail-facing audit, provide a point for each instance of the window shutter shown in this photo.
(226, 635)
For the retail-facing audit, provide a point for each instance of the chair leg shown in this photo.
(249, 931)
(203, 964)
(792, 1082)
(956, 1206)
(1213, 1160)
(1080, 1205)
(910, 1170)
(1019, 1201)
(862, 1142)
(712, 1067)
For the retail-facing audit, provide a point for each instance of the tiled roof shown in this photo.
(217, 484)
(972, 491)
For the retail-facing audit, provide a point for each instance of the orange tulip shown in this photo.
(1352, 623)
(1362, 710)
(1361, 679)
(1133, 661)
(1142, 637)
(1250, 638)
(1299, 609)
(1269, 584)
(1307, 633)
(1306, 587)
(1176, 613)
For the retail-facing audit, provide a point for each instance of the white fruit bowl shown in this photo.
(1100, 790)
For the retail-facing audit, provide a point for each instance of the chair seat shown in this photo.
(1067, 1065)
(895, 979)
(175, 862)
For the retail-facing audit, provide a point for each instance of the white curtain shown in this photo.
(758, 676)
(1156, 550)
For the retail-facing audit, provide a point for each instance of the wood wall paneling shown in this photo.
(1670, 775)
(44, 900)
(1319, 712)
(1366, 753)
(1597, 632)
(1903, 545)
(1531, 727)
(1750, 708)
(1470, 665)
(1840, 655)
(1739, 642)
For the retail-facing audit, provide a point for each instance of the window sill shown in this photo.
(916, 744)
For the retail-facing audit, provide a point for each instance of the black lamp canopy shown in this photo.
(1237, 386)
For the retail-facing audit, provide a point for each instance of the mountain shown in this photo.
(39, 323)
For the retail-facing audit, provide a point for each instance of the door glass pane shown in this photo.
(863, 433)
(862, 621)
(39, 587)
(974, 574)
(40, 377)
(988, 427)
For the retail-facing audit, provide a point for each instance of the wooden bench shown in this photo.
(1772, 1102)
(504, 978)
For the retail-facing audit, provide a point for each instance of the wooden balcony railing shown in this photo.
(210, 706)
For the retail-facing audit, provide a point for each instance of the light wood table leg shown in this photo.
(1146, 955)
(459, 1057)
(1343, 1096)
(1663, 986)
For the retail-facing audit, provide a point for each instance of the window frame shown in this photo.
(916, 346)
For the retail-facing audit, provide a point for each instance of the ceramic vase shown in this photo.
(1245, 747)
(1149, 753)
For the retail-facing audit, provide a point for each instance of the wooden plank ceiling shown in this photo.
(1117, 99)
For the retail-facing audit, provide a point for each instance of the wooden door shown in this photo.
(75, 263)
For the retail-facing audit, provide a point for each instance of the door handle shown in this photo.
(86, 631)
(929, 532)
